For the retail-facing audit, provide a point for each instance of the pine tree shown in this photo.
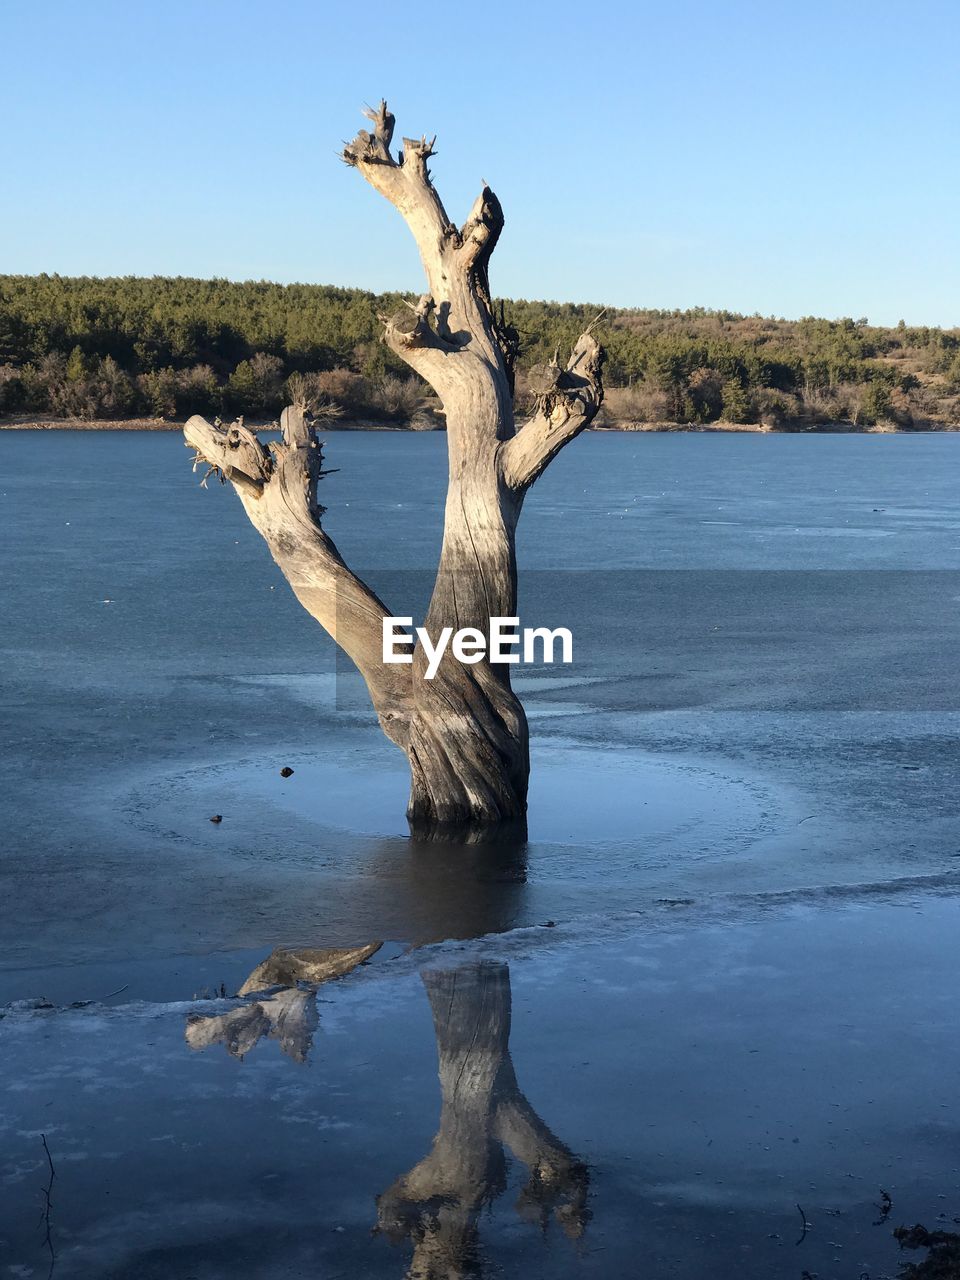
(242, 392)
(76, 370)
(736, 402)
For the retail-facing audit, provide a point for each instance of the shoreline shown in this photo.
(702, 428)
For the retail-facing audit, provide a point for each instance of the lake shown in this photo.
(709, 1000)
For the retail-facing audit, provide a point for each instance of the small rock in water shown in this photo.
(217, 817)
(286, 772)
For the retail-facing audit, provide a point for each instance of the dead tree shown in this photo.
(464, 732)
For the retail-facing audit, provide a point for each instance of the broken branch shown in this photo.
(567, 402)
(278, 489)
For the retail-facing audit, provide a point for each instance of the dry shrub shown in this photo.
(304, 389)
(901, 409)
(398, 398)
(389, 397)
(831, 404)
(705, 388)
(168, 393)
(345, 388)
(425, 419)
(773, 408)
(268, 371)
(638, 403)
(97, 389)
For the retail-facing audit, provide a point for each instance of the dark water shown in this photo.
(730, 940)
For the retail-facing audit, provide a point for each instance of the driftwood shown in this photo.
(287, 966)
(289, 1014)
(464, 732)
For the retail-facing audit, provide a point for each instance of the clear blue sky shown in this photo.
(789, 158)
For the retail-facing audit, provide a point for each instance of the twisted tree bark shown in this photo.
(464, 731)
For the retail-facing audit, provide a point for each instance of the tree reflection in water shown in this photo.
(285, 1008)
(437, 1203)
(289, 1016)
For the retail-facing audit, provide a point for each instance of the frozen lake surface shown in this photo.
(730, 937)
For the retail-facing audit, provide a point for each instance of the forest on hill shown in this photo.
(167, 347)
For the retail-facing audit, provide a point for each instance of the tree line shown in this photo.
(127, 347)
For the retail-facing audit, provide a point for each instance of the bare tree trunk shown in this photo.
(464, 731)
